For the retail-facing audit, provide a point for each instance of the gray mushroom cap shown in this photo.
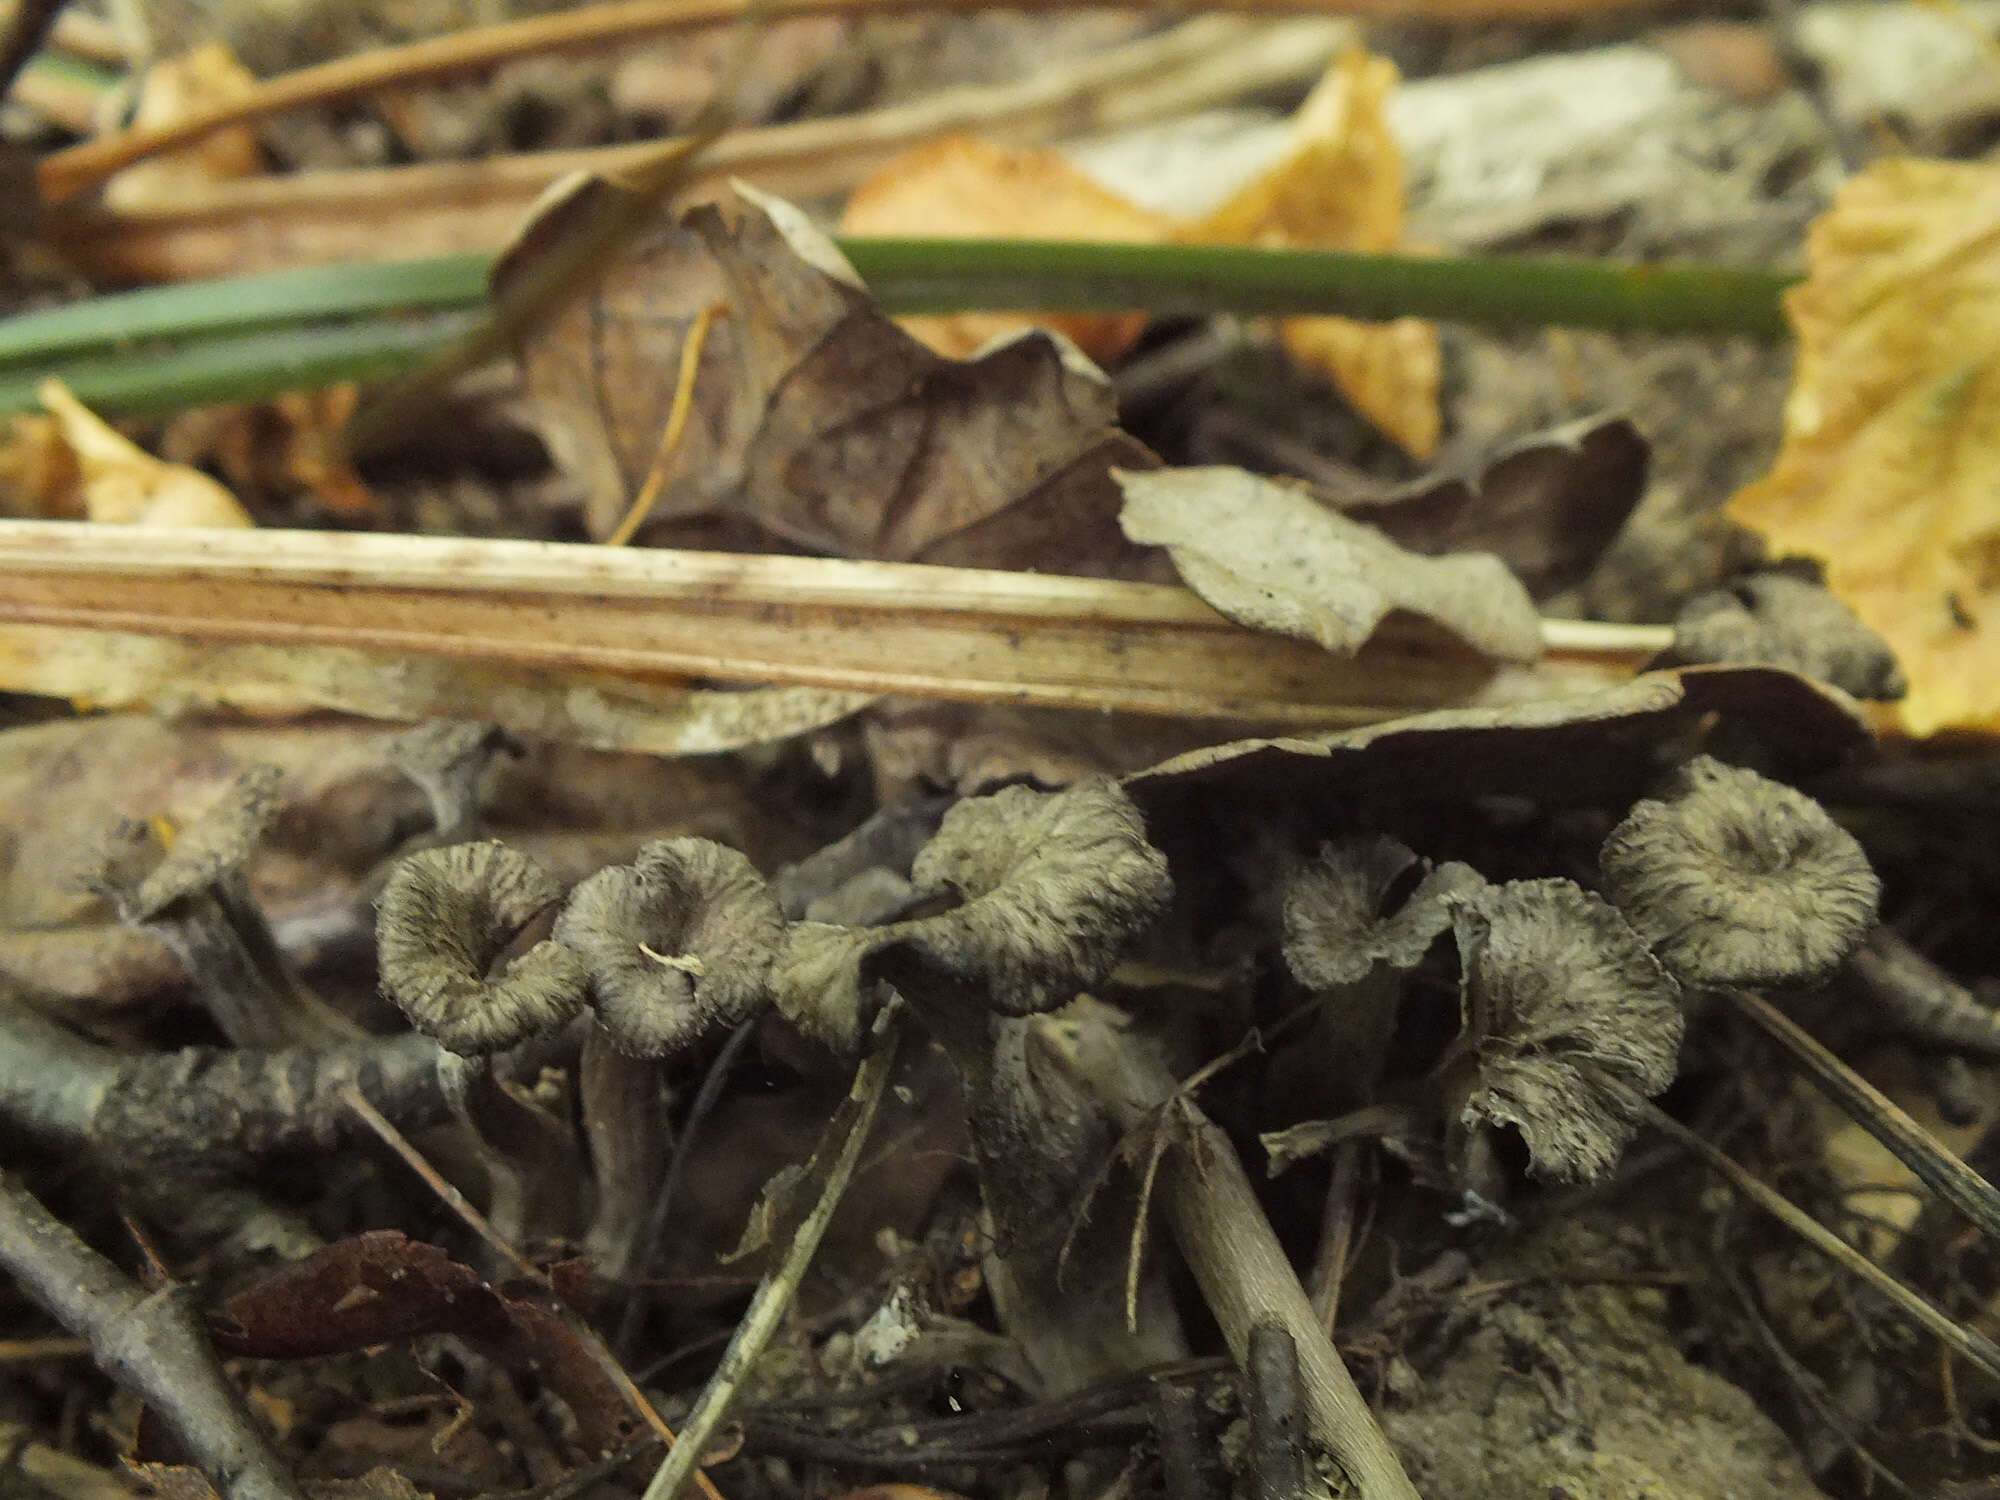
(1570, 1021)
(678, 944)
(1737, 879)
(1336, 928)
(1055, 885)
(444, 917)
(210, 850)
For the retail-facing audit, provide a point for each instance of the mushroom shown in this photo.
(447, 759)
(678, 946)
(446, 917)
(1052, 888)
(193, 895)
(1337, 925)
(1777, 618)
(1735, 879)
(1569, 1022)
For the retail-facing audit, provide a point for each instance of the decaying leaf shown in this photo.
(383, 1287)
(109, 669)
(1591, 748)
(1888, 470)
(823, 422)
(1271, 557)
(1337, 186)
(1569, 1021)
(1547, 506)
(124, 485)
(1338, 926)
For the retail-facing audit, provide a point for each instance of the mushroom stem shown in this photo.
(1235, 1256)
(1875, 1112)
(532, 1170)
(626, 1130)
(1920, 998)
(842, 1141)
(1038, 1135)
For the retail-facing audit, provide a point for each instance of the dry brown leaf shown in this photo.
(1271, 557)
(821, 420)
(1338, 186)
(273, 448)
(966, 186)
(1889, 467)
(125, 485)
(172, 89)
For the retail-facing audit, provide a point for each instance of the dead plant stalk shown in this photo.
(877, 627)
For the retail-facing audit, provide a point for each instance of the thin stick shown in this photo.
(459, 1204)
(677, 419)
(878, 627)
(449, 206)
(844, 1138)
(1234, 1254)
(1875, 1112)
(69, 173)
(1972, 1344)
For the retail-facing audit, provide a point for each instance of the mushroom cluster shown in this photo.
(1571, 1001)
(1033, 898)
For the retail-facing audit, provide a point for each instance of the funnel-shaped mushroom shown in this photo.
(1569, 1023)
(1735, 879)
(194, 896)
(445, 918)
(678, 945)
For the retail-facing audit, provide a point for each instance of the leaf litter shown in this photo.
(1444, 947)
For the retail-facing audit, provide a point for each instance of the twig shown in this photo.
(677, 419)
(1879, 1115)
(150, 1342)
(599, 1351)
(451, 205)
(1235, 1256)
(1336, 1235)
(1968, 1342)
(841, 1145)
(1271, 1401)
(884, 627)
(78, 169)
(203, 1109)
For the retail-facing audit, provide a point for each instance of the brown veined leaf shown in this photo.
(1889, 469)
(1338, 186)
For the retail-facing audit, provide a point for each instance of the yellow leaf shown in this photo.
(964, 186)
(1890, 469)
(125, 485)
(1339, 186)
(170, 91)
